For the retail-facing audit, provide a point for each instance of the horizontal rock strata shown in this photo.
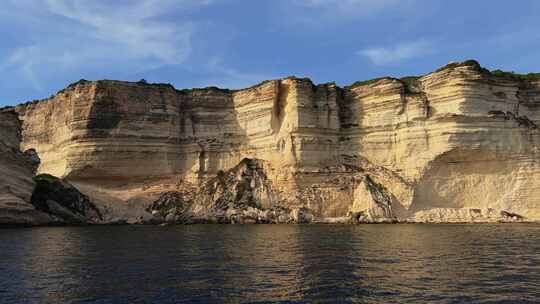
(28, 200)
(16, 172)
(460, 144)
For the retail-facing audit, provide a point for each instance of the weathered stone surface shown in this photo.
(241, 195)
(458, 144)
(16, 172)
(59, 198)
(27, 200)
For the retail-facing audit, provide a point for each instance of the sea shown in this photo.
(386, 263)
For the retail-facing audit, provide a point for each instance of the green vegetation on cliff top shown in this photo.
(410, 80)
(369, 81)
(528, 76)
(495, 73)
(407, 80)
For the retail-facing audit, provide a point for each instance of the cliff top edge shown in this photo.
(407, 80)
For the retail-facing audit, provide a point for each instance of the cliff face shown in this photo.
(29, 200)
(16, 172)
(459, 144)
(465, 141)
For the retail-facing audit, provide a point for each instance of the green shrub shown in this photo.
(369, 81)
(409, 80)
(514, 75)
(471, 62)
(45, 177)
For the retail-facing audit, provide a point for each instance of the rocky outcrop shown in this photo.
(242, 194)
(59, 198)
(16, 172)
(460, 144)
(28, 200)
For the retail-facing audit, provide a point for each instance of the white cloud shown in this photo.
(397, 53)
(130, 26)
(90, 34)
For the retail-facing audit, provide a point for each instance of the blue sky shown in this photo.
(48, 44)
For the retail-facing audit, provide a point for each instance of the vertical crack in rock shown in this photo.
(278, 107)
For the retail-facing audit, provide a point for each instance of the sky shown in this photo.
(48, 44)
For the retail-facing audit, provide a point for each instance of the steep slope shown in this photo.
(458, 144)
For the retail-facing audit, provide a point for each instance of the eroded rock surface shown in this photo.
(30, 201)
(59, 198)
(460, 144)
(16, 173)
(241, 195)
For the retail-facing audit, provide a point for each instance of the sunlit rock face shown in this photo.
(458, 144)
(460, 137)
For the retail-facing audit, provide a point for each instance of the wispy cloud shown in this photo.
(100, 33)
(313, 12)
(353, 7)
(397, 53)
(130, 27)
(232, 78)
(23, 59)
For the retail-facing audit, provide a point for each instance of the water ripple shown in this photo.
(272, 263)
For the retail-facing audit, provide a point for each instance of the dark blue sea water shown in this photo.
(272, 263)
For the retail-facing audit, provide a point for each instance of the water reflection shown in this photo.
(213, 263)
(267, 263)
(33, 268)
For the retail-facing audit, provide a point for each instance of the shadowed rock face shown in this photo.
(27, 200)
(16, 172)
(61, 199)
(242, 194)
(458, 144)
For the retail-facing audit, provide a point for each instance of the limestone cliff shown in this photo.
(458, 144)
(29, 200)
(16, 172)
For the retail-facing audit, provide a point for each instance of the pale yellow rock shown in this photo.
(452, 141)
